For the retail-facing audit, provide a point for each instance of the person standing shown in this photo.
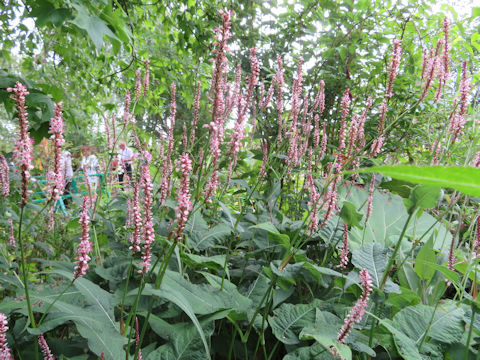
(67, 173)
(90, 165)
(126, 160)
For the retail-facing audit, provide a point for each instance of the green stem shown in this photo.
(397, 247)
(24, 269)
(428, 328)
(53, 303)
(158, 282)
(467, 347)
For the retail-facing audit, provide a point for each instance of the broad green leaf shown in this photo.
(405, 346)
(212, 237)
(274, 234)
(288, 320)
(178, 299)
(316, 351)
(350, 215)
(374, 258)
(424, 196)
(93, 25)
(425, 257)
(387, 220)
(289, 272)
(447, 324)
(92, 324)
(94, 294)
(464, 179)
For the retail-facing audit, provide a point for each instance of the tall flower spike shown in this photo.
(126, 108)
(451, 258)
(184, 204)
(85, 246)
(394, 63)
(136, 220)
(138, 84)
(280, 81)
(446, 50)
(216, 125)
(4, 349)
(23, 150)
(137, 340)
(345, 105)
(47, 354)
(344, 255)
(356, 313)
(4, 178)
(476, 245)
(55, 179)
(149, 231)
(168, 167)
(370, 198)
(146, 78)
(196, 108)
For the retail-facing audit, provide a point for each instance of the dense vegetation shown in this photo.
(304, 184)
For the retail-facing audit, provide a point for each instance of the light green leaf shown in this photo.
(93, 25)
(425, 257)
(464, 179)
(350, 215)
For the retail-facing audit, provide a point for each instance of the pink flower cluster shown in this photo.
(370, 198)
(4, 349)
(146, 78)
(345, 105)
(394, 63)
(149, 232)
(167, 167)
(47, 354)
(138, 84)
(218, 107)
(358, 310)
(55, 178)
(344, 255)
(126, 108)
(184, 203)
(85, 246)
(377, 146)
(237, 136)
(458, 119)
(280, 81)
(23, 150)
(136, 218)
(196, 108)
(4, 178)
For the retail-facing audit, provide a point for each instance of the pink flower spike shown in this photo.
(47, 354)
(149, 231)
(138, 84)
(23, 151)
(356, 313)
(446, 50)
(4, 349)
(394, 63)
(184, 203)
(4, 178)
(146, 78)
(126, 109)
(136, 217)
(370, 198)
(344, 256)
(85, 246)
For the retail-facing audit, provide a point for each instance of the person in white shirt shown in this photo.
(126, 160)
(67, 172)
(90, 165)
